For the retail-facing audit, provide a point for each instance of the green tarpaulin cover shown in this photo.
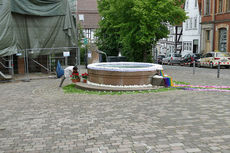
(19, 31)
(39, 7)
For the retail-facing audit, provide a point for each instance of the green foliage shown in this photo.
(134, 25)
(72, 89)
(80, 35)
(81, 44)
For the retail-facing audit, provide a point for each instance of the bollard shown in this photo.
(194, 65)
(218, 70)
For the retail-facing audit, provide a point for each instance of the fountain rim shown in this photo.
(102, 66)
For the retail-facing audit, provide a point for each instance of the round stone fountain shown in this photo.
(122, 73)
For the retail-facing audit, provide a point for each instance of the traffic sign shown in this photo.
(85, 41)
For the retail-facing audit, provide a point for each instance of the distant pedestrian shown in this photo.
(67, 72)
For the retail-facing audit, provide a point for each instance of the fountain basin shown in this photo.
(122, 73)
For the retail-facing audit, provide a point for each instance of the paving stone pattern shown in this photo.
(37, 117)
(202, 76)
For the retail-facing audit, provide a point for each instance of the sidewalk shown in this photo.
(40, 75)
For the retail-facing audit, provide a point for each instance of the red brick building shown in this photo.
(215, 22)
(88, 17)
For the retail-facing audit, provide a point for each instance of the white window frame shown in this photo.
(187, 46)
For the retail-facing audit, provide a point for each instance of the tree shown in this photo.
(134, 25)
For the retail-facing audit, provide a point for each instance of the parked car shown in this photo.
(159, 58)
(172, 59)
(212, 59)
(188, 59)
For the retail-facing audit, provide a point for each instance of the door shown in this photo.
(195, 46)
(207, 41)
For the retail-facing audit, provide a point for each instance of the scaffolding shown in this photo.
(29, 33)
(42, 60)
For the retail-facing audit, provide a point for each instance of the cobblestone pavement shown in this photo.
(202, 76)
(37, 116)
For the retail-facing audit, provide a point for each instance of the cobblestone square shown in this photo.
(37, 117)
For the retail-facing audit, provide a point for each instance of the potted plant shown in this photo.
(75, 77)
(84, 77)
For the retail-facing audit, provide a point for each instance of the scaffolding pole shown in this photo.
(26, 61)
(49, 58)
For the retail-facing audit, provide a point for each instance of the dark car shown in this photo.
(189, 58)
(159, 59)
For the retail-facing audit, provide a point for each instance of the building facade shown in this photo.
(167, 45)
(88, 17)
(215, 22)
(191, 28)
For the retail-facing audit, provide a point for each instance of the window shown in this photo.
(207, 35)
(190, 23)
(195, 22)
(220, 10)
(207, 7)
(222, 54)
(222, 39)
(81, 17)
(187, 46)
(177, 55)
(88, 33)
(196, 3)
(209, 55)
(190, 46)
(228, 5)
(187, 4)
(186, 24)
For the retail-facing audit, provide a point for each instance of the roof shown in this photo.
(90, 20)
(87, 6)
(91, 16)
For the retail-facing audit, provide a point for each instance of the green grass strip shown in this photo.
(179, 82)
(72, 89)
